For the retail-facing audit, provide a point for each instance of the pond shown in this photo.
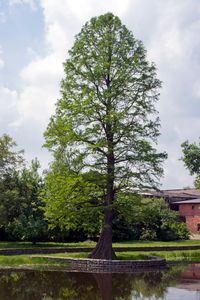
(177, 282)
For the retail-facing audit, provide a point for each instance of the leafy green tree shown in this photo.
(191, 159)
(29, 223)
(106, 115)
(146, 219)
(21, 217)
(127, 212)
(11, 161)
(158, 222)
(73, 200)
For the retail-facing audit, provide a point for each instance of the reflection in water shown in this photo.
(104, 282)
(60, 285)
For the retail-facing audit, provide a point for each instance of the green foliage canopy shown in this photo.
(191, 159)
(72, 201)
(146, 219)
(107, 104)
(10, 159)
(21, 217)
(29, 224)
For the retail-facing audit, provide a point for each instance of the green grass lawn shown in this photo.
(120, 255)
(46, 244)
(21, 261)
(170, 256)
(156, 243)
(92, 244)
(182, 255)
(189, 256)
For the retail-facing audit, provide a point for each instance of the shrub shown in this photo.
(148, 235)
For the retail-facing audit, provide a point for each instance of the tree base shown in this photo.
(103, 249)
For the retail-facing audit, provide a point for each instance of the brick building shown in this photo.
(186, 202)
(190, 211)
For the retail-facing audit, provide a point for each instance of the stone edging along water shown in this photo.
(92, 265)
(109, 266)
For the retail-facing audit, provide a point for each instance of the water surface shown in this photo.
(180, 282)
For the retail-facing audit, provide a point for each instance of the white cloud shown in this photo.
(83, 10)
(35, 105)
(9, 100)
(43, 71)
(175, 37)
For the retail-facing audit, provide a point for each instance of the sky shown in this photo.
(35, 36)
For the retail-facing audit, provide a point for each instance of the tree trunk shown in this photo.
(103, 249)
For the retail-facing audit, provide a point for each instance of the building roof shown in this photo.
(175, 195)
(192, 201)
(184, 192)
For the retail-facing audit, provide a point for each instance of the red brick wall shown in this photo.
(192, 214)
(192, 222)
(187, 210)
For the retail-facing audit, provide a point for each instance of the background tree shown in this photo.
(106, 115)
(21, 217)
(191, 159)
(11, 161)
(158, 222)
(29, 224)
(138, 218)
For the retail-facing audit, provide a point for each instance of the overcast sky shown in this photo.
(35, 36)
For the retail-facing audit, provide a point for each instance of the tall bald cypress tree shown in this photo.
(106, 114)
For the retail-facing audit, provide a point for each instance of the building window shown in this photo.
(198, 227)
(192, 206)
